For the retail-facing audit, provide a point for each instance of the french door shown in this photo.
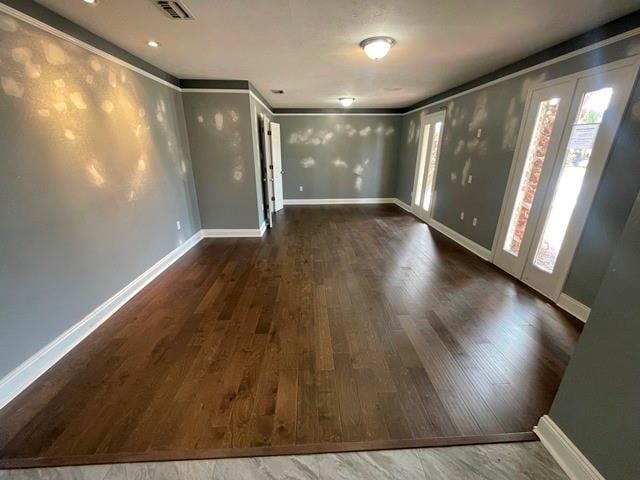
(568, 130)
(427, 165)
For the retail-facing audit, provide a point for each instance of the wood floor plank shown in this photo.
(344, 327)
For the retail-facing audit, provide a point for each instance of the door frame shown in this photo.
(633, 62)
(512, 264)
(423, 121)
(277, 205)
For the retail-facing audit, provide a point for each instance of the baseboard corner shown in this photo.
(563, 450)
(402, 205)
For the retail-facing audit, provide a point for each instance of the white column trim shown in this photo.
(563, 450)
(574, 307)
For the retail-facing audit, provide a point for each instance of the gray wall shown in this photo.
(94, 173)
(339, 156)
(598, 403)
(498, 110)
(220, 127)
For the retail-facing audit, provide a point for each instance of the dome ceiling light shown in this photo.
(377, 47)
(346, 101)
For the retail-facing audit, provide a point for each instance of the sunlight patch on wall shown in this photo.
(218, 120)
(465, 172)
(365, 131)
(59, 83)
(78, 101)
(53, 53)
(307, 162)
(411, 131)
(339, 163)
(12, 87)
(480, 113)
(511, 127)
(94, 175)
(107, 106)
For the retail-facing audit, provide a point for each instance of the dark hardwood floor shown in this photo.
(345, 327)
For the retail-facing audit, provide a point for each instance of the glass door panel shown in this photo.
(427, 165)
(433, 163)
(422, 159)
(574, 167)
(534, 158)
(536, 155)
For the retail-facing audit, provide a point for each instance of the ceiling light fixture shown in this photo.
(153, 44)
(91, 2)
(346, 101)
(377, 47)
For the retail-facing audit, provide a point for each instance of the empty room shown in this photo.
(299, 239)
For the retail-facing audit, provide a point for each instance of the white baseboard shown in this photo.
(574, 307)
(572, 461)
(337, 201)
(470, 245)
(233, 233)
(25, 374)
(402, 205)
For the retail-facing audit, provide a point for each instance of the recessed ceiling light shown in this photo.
(377, 47)
(91, 2)
(346, 101)
(153, 44)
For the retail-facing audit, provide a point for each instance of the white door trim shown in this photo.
(427, 119)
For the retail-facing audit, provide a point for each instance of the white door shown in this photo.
(268, 177)
(423, 198)
(568, 132)
(276, 158)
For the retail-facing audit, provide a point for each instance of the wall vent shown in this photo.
(174, 9)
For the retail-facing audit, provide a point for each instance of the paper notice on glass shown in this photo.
(583, 136)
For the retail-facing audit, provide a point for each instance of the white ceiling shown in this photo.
(310, 49)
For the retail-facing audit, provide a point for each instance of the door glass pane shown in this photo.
(574, 166)
(423, 161)
(431, 168)
(536, 154)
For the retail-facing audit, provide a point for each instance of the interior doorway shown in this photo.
(271, 160)
(567, 132)
(423, 197)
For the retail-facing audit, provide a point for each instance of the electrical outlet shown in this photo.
(178, 226)
(461, 215)
(479, 133)
(301, 188)
(475, 221)
(469, 178)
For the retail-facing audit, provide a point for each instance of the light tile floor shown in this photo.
(510, 461)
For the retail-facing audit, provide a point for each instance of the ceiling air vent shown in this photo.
(174, 9)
